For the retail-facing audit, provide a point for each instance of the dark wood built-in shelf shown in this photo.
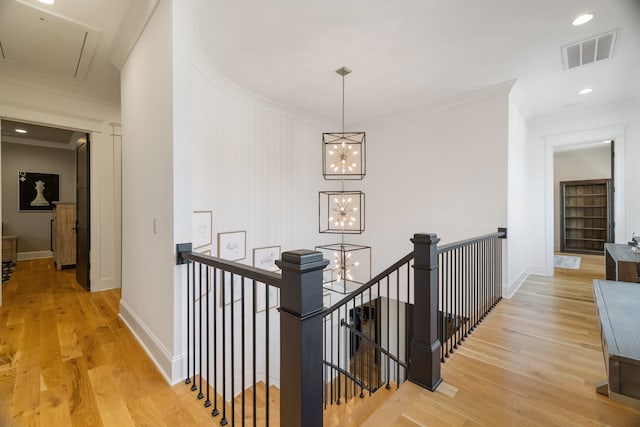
(585, 215)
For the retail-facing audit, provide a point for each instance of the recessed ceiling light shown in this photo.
(47, 1)
(21, 131)
(582, 19)
(585, 91)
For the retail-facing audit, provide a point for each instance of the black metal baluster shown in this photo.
(479, 284)
(388, 386)
(339, 389)
(487, 280)
(447, 317)
(187, 380)
(267, 311)
(357, 342)
(378, 352)
(398, 326)
(406, 356)
(500, 265)
(193, 320)
(456, 297)
(442, 298)
(475, 285)
(331, 369)
(484, 278)
(467, 323)
(253, 338)
(370, 347)
(346, 368)
(242, 321)
(200, 394)
(207, 402)
(492, 244)
(363, 343)
(223, 290)
(459, 296)
(233, 351)
(215, 412)
(324, 367)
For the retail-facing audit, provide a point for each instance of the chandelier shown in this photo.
(342, 211)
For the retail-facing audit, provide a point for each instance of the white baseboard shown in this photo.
(516, 283)
(24, 256)
(171, 367)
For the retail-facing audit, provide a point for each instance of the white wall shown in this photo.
(442, 171)
(593, 162)
(518, 216)
(66, 105)
(620, 122)
(258, 167)
(148, 254)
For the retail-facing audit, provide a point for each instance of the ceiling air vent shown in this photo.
(589, 50)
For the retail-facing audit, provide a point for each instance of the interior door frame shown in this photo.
(551, 142)
(82, 125)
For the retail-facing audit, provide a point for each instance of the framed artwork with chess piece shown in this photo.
(38, 191)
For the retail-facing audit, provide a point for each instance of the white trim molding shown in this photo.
(171, 367)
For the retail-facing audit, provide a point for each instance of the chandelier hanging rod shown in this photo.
(343, 72)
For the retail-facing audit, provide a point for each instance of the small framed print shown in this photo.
(260, 301)
(232, 288)
(202, 224)
(232, 245)
(326, 299)
(265, 258)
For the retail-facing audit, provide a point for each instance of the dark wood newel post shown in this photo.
(424, 367)
(301, 338)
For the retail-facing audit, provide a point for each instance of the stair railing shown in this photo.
(419, 310)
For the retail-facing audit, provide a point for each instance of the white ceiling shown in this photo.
(410, 54)
(71, 44)
(404, 55)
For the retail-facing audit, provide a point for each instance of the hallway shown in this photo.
(66, 359)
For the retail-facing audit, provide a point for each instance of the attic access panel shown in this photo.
(36, 38)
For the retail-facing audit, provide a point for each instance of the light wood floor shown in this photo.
(67, 360)
(532, 362)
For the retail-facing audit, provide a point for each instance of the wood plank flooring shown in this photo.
(533, 361)
(66, 359)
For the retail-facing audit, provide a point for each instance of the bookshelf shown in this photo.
(584, 215)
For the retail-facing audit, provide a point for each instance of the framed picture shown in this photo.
(232, 283)
(326, 299)
(202, 223)
(260, 302)
(232, 245)
(265, 258)
(38, 191)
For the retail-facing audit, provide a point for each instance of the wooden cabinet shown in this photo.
(621, 263)
(64, 235)
(10, 249)
(616, 303)
(584, 215)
